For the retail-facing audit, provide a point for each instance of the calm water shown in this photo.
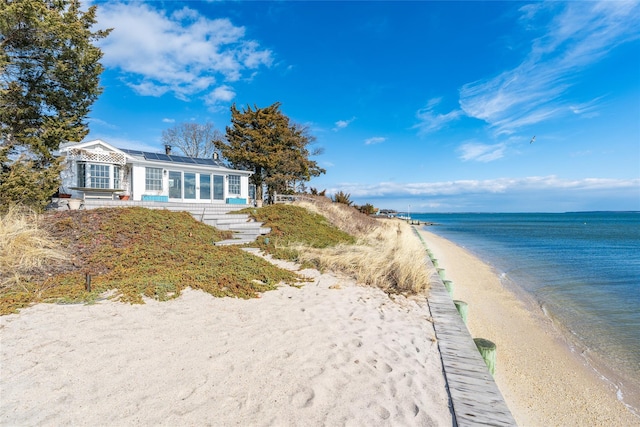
(582, 268)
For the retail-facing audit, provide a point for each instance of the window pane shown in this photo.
(175, 185)
(189, 185)
(234, 184)
(205, 187)
(153, 179)
(116, 177)
(82, 175)
(218, 187)
(99, 176)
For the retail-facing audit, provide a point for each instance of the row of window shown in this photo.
(181, 184)
(185, 184)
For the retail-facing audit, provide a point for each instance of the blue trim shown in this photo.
(236, 201)
(154, 198)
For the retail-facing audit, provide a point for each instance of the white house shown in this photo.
(97, 169)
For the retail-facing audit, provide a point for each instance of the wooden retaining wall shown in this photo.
(474, 396)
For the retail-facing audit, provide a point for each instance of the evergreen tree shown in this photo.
(49, 78)
(264, 141)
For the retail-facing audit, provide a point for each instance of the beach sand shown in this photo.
(543, 382)
(328, 353)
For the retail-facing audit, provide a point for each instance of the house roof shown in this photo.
(147, 156)
(158, 157)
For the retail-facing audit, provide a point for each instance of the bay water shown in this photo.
(582, 269)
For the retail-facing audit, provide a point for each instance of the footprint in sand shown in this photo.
(303, 398)
(385, 367)
(380, 411)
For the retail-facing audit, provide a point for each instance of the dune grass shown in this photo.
(378, 252)
(24, 247)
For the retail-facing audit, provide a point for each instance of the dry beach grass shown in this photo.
(24, 246)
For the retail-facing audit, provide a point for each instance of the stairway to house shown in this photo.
(244, 228)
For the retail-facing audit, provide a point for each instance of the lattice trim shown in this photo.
(80, 154)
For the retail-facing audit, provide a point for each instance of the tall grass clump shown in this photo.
(389, 256)
(382, 252)
(346, 218)
(25, 247)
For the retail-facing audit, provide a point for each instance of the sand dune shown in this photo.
(329, 353)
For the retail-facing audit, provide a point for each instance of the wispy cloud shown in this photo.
(430, 120)
(168, 120)
(481, 152)
(341, 124)
(375, 140)
(576, 35)
(183, 53)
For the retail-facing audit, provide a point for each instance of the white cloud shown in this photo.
(341, 124)
(184, 53)
(489, 186)
(167, 120)
(375, 140)
(577, 36)
(222, 93)
(430, 121)
(481, 152)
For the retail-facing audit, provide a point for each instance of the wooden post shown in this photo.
(488, 351)
(87, 284)
(448, 284)
(440, 272)
(463, 309)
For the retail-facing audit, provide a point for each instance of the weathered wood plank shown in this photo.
(475, 397)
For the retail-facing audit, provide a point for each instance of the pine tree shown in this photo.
(49, 78)
(264, 141)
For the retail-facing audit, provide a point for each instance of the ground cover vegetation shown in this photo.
(49, 78)
(132, 252)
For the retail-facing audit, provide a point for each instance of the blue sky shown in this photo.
(427, 106)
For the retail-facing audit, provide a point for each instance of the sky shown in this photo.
(416, 106)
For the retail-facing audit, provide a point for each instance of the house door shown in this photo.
(205, 187)
(175, 185)
(189, 185)
(218, 187)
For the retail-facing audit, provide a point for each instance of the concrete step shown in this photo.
(234, 242)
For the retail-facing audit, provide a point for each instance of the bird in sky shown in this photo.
(532, 139)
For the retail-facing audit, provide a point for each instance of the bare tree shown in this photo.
(193, 139)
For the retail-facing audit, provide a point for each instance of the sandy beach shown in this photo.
(543, 382)
(328, 353)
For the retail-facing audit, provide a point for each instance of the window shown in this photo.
(82, 175)
(218, 187)
(91, 175)
(116, 177)
(99, 176)
(205, 187)
(234, 184)
(153, 179)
